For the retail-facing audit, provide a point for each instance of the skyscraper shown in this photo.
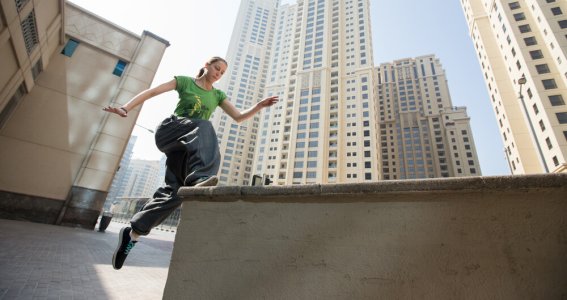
(142, 178)
(340, 119)
(320, 64)
(522, 50)
(248, 56)
(422, 135)
(118, 183)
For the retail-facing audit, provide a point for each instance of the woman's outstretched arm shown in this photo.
(141, 97)
(240, 116)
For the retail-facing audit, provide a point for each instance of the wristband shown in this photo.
(122, 108)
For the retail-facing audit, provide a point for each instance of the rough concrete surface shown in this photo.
(472, 238)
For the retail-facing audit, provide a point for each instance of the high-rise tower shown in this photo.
(323, 129)
(248, 55)
(522, 50)
(422, 135)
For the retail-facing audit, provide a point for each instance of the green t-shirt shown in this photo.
(195, 102)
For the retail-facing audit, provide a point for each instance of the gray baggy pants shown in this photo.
(192, 152)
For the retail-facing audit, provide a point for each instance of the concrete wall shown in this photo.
(467, 238)
(60, 150)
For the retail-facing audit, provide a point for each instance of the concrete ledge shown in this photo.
(459, 238)
(358, 191)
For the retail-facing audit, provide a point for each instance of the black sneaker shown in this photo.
(206, 181)
(125, 244)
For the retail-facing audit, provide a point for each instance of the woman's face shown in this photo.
(215, 70)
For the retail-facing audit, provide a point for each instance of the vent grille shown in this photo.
(20, 4)
(29, 30)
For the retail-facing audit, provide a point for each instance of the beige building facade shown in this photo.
(321, 67)
(248, 53)
(422, 135)
(522, 50)
(60, 66)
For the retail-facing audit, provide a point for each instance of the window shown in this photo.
(119, 68)
(556, 11)
(530, 41)
(549, 84)
(536, 54)
(562, 24)
(562, 117)
(519, 16)
(525, 28)
(549, 144)
(70, 47)
(514, 5)
(556, 100)
(542, 69)
(541, 125)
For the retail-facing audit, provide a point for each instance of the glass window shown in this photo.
(536, 54)
(514, 5)
(542, 69)
(549, 144)
(519, 16)
(530, 41)
(556, 100)
(556, 11)
(525, 28)
(119, 68)
(562, 117)
(549, 84)
(70, 47)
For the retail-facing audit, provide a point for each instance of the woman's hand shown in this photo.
(267, 102)
(121, 111)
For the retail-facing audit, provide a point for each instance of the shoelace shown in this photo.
(129, 247)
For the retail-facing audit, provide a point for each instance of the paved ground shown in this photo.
(39, 261)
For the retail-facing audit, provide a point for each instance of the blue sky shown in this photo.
(400, 29)
(404, 28)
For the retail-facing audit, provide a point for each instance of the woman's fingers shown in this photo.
(115, 110)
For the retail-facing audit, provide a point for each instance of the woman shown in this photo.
(189, 142)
